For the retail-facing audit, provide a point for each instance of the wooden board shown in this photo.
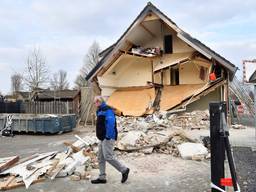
(13, 182)
(173, 95)
(7, 162)
(171, 59)
(132, 102)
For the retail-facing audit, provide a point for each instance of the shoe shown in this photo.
(99, 181)
(125, 175)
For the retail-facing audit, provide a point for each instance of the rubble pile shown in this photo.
(160, 132)
(164, 141)
(76, 162)
(160, 120)
(193, 120)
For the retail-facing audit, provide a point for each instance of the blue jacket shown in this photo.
(106, 123)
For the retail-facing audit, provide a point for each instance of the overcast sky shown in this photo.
(64, 29)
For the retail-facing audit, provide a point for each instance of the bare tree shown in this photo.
(36, 71)
(16, 80)
(90, 61)
(59, 80)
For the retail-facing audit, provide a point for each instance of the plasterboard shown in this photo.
(132, 102)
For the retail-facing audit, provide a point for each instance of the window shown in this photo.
(168, 44)
(175, 76)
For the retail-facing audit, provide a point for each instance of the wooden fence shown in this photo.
(87, 109)
(51, 107)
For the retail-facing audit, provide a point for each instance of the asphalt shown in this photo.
(155, 172)
(246, 168)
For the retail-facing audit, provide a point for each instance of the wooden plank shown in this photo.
(5, 184)
(8, 162)
(174, 95)
(69, 144)
(16, 183)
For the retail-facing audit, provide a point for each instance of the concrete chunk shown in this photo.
(190, 150)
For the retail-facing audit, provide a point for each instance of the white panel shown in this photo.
(189, 74)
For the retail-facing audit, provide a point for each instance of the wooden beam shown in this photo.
(162, 77)
(152, 70)
(147, 30)
(104, 69)
(6, 163)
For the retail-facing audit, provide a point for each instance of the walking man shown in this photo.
(106, 132)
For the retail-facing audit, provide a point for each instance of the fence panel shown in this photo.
(52, 107)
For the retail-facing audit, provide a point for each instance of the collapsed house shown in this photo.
(155, 65)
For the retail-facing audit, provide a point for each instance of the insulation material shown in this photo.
(134, 102)
(171, 59)
(174, 95)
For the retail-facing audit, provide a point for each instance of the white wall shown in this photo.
(203, 102)
(127, 73)
(189, 74)
(178, 45)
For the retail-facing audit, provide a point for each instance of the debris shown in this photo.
(75, 178)
(238, 126)
(7, 162)
(16, 182)
(53, 164)
(131, 139)
(160, 132)
(74, 148)
(161, 120)
(208, 156)
(147, 150)
(198, 157)
(190, 150)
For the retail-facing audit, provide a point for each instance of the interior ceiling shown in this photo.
(125, 60)
(139, 35)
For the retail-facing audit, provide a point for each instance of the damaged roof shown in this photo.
(196, 44)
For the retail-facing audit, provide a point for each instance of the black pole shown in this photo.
(217, 144)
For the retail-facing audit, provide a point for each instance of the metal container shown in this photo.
(40, 123)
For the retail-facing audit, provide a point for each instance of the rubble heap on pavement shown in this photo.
(158, 120)
(75, 162)
(161, 133)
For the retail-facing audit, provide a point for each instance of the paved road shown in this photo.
(246, 168)
(155, 172)
(148, 172)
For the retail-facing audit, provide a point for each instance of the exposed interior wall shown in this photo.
(189, 73)
(106, 92)
(203, 102)
(160, 30)
(157, 77)
(141, 37)
(128, 72)
(166, 77)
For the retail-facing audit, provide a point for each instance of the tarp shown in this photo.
(174, 95)
(172, 59)
(133, 102)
